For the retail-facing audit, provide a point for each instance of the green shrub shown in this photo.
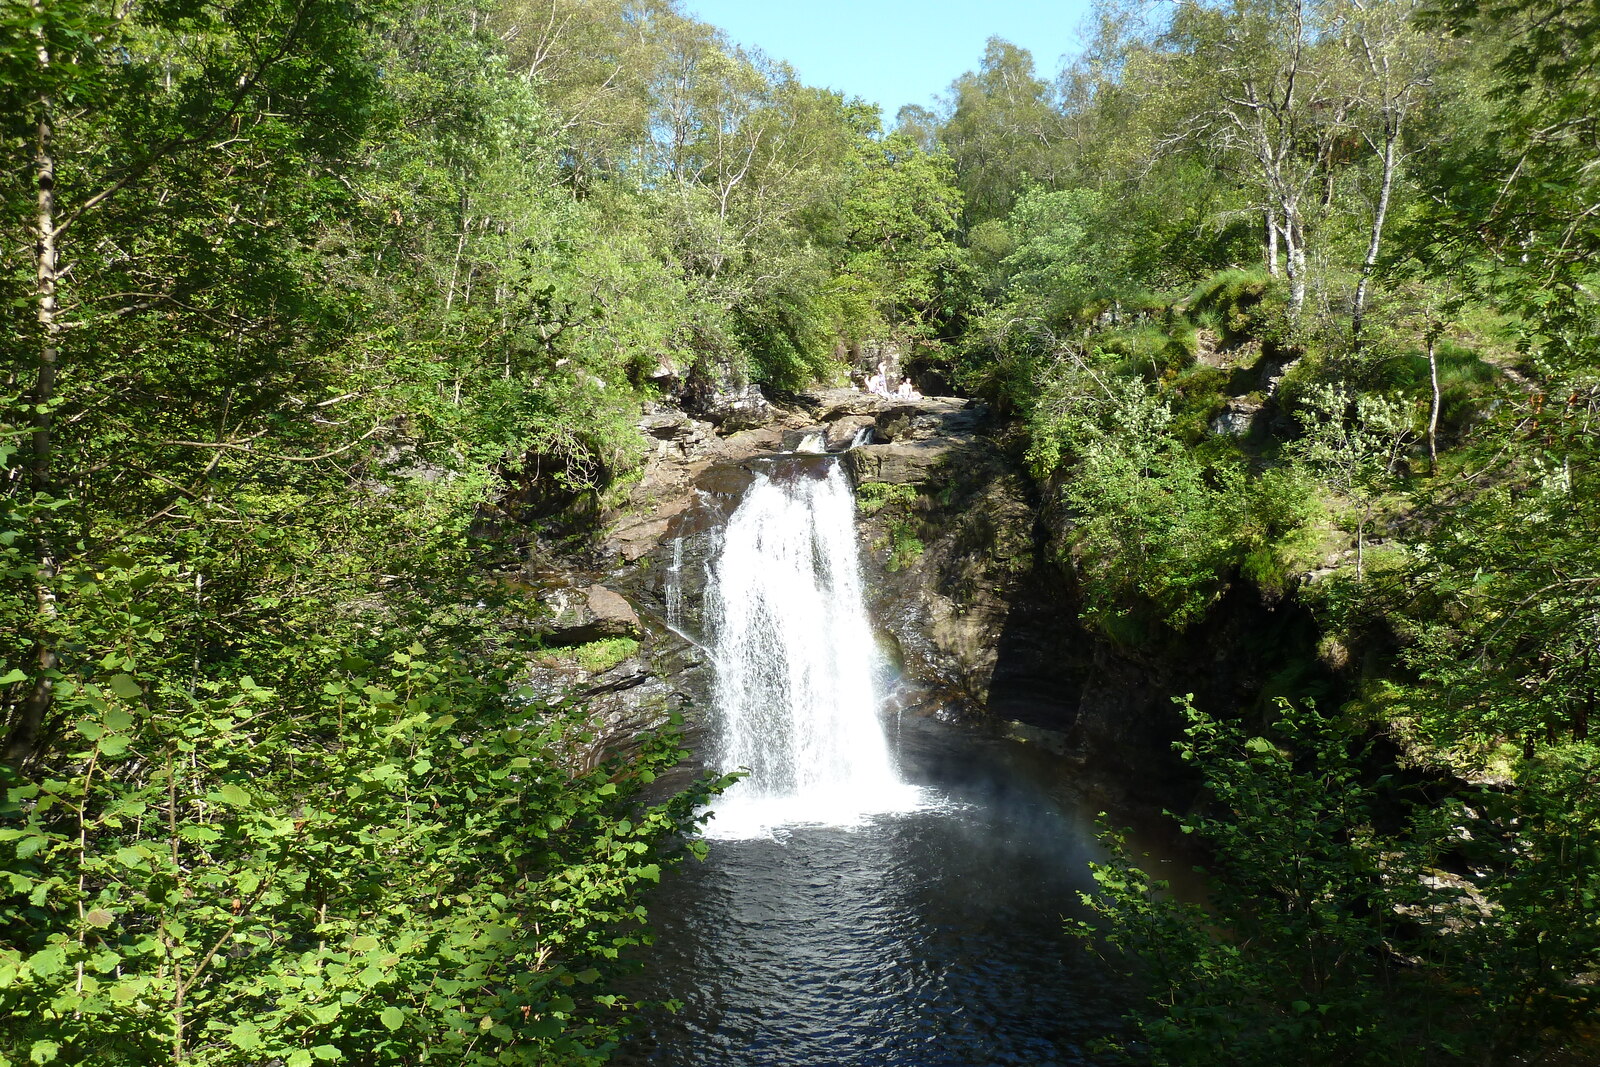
(1148, 350)
(1183, 338)
(873, 497)
(1333, 930)
(1464, 381)
(905, 548)
(1197, 396)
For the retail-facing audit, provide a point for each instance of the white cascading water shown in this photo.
(794, 656)
(674, 590)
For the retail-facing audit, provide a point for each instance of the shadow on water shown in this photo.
(928, 939)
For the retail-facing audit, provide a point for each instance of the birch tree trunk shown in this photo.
(31, 714)
(1272, 242)
(1295, 261)
(1391, 139)
(1433, 412)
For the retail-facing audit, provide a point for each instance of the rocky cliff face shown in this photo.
(978, 617)
(985, 615)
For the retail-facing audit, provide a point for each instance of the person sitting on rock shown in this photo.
(884, 378)
(907, 391)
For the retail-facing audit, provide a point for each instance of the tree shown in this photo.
(1269, 97)
(314, 299)
(1504, 644)
(1513, 202)
(1002, 131)
(1396, 63)
(594, 63)
(897, 221)
(1504, 596)
(86, 169)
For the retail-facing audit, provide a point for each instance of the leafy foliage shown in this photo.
(322, 306)
(219, 887)
(1336, 930)
(274, 789)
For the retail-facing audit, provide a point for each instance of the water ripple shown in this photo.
(932, 938)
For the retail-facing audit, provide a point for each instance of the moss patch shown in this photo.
(597, 657)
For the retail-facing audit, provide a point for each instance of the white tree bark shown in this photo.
(24, 732)
(1380, 213)
(1433, 412)
(1272, 242)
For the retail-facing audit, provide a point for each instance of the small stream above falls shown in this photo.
(881, 889)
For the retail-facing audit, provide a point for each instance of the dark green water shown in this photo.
(928, 939)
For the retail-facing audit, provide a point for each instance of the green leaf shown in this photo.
(232, 794)
(124, 686)
(392, 1017)
(1261, 745)
(327, 1052)
(245, 1036)
(133, 856)
(12, 676)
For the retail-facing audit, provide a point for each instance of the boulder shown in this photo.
(901, 463)
(737, 410)
(636, 540)
(1237, 417)
(833, 404)
(809, 439)
(672, 426)
(591, 614)
(929, 417)
(842, 432)
(613, 615)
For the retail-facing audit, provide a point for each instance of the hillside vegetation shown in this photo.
(321, 311)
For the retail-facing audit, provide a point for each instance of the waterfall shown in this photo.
(674, 585)
(796, 698)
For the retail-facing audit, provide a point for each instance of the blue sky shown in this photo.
(895, 52)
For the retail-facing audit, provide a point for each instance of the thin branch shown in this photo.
(245, 448)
